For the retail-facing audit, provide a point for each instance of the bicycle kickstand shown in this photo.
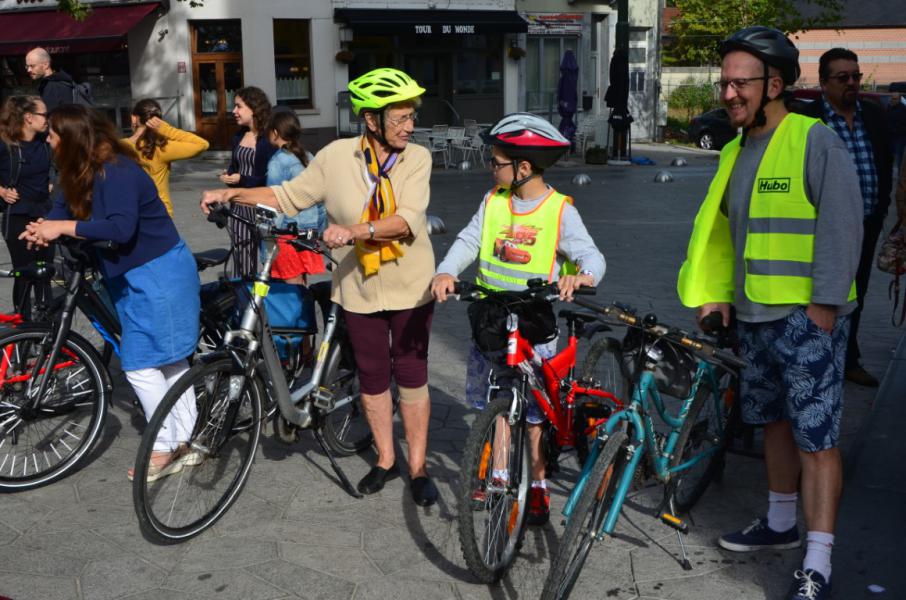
(347, 485)
(671, 520)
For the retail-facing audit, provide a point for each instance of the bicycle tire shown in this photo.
(45, 441)
(222, 446)
(586, 519)
(603, 369)
(708, 425)
(346, 430)
(487, 556)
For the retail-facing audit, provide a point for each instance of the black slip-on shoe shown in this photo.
(374, 481)
(424, 492)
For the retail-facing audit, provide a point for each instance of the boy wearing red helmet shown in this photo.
(523, 229)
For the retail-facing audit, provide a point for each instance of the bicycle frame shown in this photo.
(645, 440)
(558, 375)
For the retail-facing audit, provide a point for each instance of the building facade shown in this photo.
(478, 59)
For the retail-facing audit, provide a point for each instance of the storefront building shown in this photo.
(478, 59)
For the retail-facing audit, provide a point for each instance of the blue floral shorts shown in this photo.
(479, 368)
(795, 373)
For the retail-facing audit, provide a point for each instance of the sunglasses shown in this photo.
(842, 78)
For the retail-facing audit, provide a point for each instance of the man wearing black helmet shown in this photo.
(778, 238)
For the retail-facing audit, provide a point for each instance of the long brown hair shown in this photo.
(88, 139)
(12, 117)
(149, 141)
(257, 100)
(288, 128)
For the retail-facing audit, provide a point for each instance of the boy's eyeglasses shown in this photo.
(843, 78)
(494, 165)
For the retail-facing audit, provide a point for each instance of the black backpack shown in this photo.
(81, 94)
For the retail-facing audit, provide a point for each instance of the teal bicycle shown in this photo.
(685, 458)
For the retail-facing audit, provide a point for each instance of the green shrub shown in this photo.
(692, 98)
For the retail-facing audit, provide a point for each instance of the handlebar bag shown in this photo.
(487, 317)
(673, 374)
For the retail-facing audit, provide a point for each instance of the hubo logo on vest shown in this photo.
(774, 185)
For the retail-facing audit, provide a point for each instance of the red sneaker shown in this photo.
(480, 495)
(539, 506)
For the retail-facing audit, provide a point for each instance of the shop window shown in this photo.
(637, 81)
(292, 62)
(218, 36)
(542, 70)
(479, 73)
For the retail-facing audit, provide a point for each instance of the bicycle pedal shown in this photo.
(674, 522)
(323, 399)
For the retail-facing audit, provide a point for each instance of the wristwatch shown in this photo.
(587, 272)
(370, 230)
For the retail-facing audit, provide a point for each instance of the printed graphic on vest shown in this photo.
(774, 185)
(506, 248)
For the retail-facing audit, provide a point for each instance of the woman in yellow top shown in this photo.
(158, 144)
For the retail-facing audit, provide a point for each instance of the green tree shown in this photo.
(79, 10)
(701, 24)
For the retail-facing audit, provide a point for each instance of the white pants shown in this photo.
(150, 386)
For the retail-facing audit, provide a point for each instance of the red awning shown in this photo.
(103, 30)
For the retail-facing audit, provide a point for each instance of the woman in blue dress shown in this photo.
(151, 275)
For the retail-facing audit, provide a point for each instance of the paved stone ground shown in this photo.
(295, 534)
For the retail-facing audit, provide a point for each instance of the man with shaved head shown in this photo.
(55, 87)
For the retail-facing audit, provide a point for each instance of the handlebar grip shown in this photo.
(585, 291)
(219, 214)
(725, 356)
(713, 323)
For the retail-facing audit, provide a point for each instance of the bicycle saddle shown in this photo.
(211, 258)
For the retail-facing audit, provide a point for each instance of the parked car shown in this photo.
(711, 130)
(811, 94)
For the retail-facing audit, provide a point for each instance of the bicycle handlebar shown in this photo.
(673, 335)
(219, 214)
(537, 288)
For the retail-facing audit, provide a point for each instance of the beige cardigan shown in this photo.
(337, 177)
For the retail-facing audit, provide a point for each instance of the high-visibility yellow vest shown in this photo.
(516, 247)
(780, 238)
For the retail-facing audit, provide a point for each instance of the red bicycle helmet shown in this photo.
(528, 137)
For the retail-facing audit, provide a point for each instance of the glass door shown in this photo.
(217, 75)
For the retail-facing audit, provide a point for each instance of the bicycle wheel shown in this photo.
(216, 449)
(493, 490)
(604, 368)
(708, 428)
(586, 519)
(40, 444)
(345, 428)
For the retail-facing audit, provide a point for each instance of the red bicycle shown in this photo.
(494, 477)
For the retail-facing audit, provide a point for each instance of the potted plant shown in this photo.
(345, 56)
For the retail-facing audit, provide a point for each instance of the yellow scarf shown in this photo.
(381, 204)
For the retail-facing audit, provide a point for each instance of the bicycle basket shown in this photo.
(487, 316)
(673, 373)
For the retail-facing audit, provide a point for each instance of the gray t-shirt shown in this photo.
(575, 244)
(832, 186)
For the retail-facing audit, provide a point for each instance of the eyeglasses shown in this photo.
(737, 84)
(403, 120)
(494, 165)
(842, 78)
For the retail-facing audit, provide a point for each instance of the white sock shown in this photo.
(818, 553)
(781, 511)
(501, 474)
(539, 483)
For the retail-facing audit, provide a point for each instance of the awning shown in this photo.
(431, 22)
(103, 30)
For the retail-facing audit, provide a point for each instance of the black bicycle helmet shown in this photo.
(768, 44)
(774, 49)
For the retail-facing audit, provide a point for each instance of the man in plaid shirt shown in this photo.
(863, 128)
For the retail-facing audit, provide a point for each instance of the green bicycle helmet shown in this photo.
(381, 87)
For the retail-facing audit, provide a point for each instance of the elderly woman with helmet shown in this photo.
(546, 239)
(375, 189)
